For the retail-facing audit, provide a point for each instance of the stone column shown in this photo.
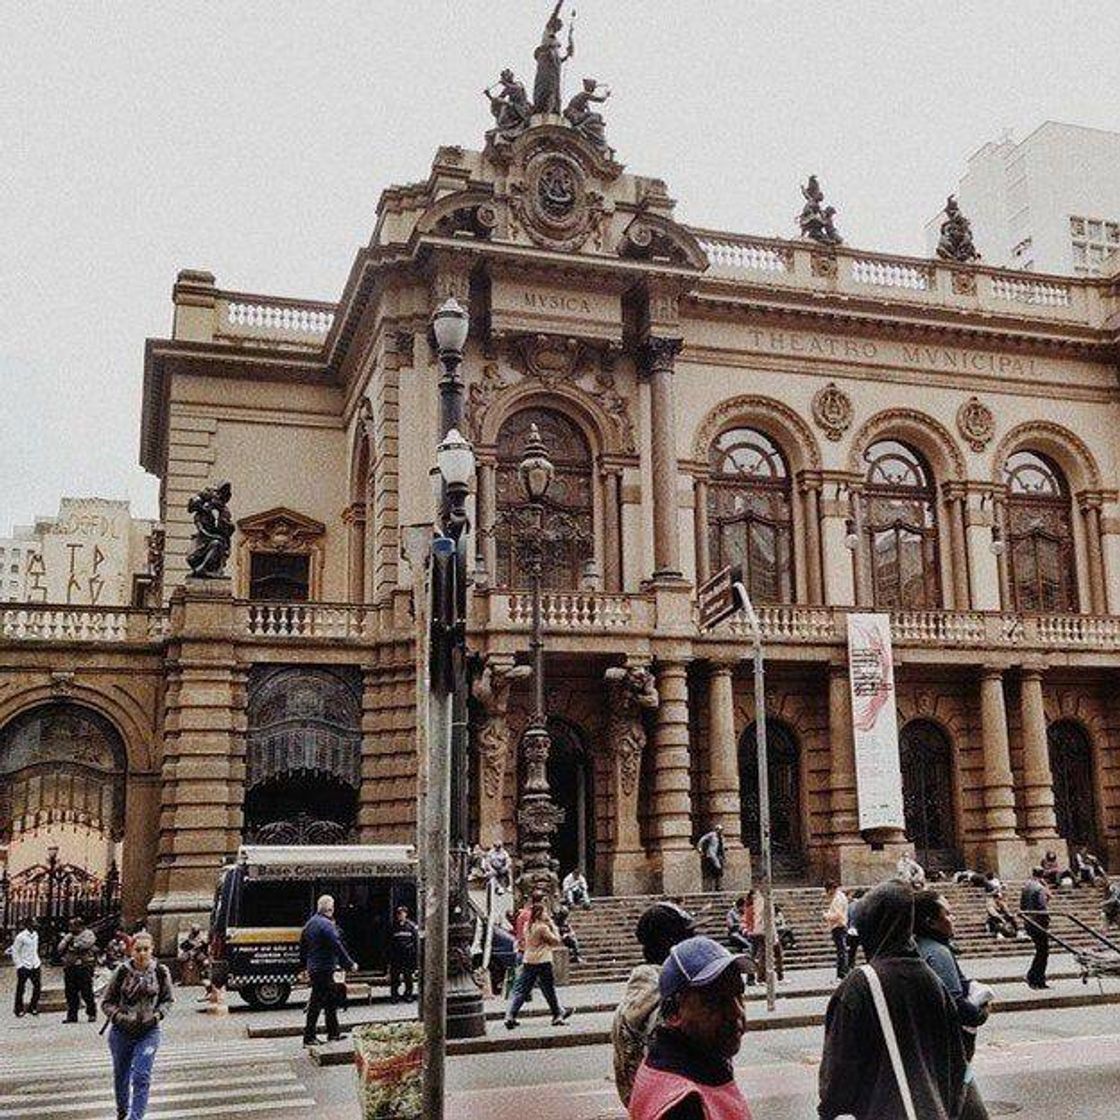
(1001, 850)
(661, 355)
(983, 567)
(631, 693)
(843, 797)
(954, 498)
(491, 689)
(671, 809)
(724, 797)
(354, 518)
(838, 562)
(612, 528)
(141, 841)
(862, 578)
(1038, 781)
(486, 504)
(811, 491)
(203, 770)
(1091, 514)
(1110, 552)
(700, 528)
(1003, 569)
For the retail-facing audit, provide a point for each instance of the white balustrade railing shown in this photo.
(748, 255)
(60, 623)
(891, 274)
(589, 610)
(278, 317)
(1077, 630)
(1038, 293)
(952, 627)
(788, 623)
(304, 620)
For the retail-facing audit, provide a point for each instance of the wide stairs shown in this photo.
(610, 949)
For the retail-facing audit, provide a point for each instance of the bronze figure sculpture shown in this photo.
(213, 531)
(816, 222)
(589, 124)
(546, 88)
(510, 106)
(956, 235)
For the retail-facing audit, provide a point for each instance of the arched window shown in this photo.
(569, 517)
(1041, 569)
(900, 527)
(783, 756)
(750, 520)
(1071, 764)
(925, 758)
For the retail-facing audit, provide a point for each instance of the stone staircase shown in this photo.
(610, 950)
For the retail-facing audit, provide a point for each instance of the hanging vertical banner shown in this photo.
(874, 721)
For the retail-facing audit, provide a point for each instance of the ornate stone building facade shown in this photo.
(926, 438)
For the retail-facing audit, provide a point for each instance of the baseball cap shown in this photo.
(696, 963)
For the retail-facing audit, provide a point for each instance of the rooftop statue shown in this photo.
(816, 222)
(546, 88)
(213, 531)
(956, 235)
(589, 124)
(510, 105)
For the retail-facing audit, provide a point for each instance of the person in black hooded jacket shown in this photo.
(856, 1075)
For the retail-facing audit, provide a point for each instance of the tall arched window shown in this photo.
(925, 758)
(569, 504)
(1040, 560)
(750, 520)
(1071, 763)
(900, 528)
(783, 755)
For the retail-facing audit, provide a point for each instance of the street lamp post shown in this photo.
(452, 1001)
(537, 817)
(52, 879)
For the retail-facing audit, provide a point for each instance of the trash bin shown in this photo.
(389, 1058)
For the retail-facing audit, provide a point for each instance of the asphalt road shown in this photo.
(1042, 1065)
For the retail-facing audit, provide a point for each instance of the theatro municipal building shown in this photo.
(932, 440)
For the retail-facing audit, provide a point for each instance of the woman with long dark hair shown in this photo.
(541, 938)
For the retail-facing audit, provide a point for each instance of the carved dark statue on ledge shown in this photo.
(589, 124)
(956, 235)
(510, 105)
(213, 531)
(816, 222)
(546, 88)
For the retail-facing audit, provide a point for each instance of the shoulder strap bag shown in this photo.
(890, 1038)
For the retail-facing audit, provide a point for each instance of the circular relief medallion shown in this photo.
(554, 202)
(832, 410)
(976, 423)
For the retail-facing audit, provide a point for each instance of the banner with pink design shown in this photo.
(874, 722)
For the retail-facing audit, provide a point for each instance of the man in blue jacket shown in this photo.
(321, 951)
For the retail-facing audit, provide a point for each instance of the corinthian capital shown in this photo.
(660, 354)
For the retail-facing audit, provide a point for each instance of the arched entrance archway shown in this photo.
(572, 786)
(62, 810)
(926, 759)
(783, 756)
(303, 757)
(1071, 764)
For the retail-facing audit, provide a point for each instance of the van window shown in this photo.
(275, 904)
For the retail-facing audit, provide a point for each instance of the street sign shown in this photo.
(716, 599)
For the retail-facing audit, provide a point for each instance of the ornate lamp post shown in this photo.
(52, 884)
(537, 817)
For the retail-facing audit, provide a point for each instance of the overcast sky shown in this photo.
(252, 139)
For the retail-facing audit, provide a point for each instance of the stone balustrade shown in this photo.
(65, 623)
(589, 610)
(303, 620)
(802, 264)
(272, 321)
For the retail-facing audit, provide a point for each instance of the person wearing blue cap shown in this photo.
(687, 1072)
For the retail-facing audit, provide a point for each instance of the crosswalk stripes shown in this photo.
(229, 1078)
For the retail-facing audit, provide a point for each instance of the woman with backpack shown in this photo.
(134, 1005)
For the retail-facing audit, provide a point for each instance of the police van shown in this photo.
(267, 893)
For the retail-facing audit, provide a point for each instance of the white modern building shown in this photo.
(18, 553)
(1049, 203)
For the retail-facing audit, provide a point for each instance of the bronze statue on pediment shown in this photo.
(550, 62)
(510, 105)
(816, 221)
(956, 235)
(213, 531)
(579, 114)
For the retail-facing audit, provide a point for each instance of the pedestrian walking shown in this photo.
(78, 950)
(404, 948)
(687, 1073)
(24, 952)
(134, 1004)
(541, 938)
(892, 1045)
(1034, 902)
(660, 927)
(712, 855)
(321, 952)
(933, 934)
(836, 918)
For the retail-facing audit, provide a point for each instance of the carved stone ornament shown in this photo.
(552, 201)
(541, 818)
(479, 397)
(832, 410)
(548, 357)
(632, 691)
(823, 265)
(491, 689)
(964, 283)
(976, 423)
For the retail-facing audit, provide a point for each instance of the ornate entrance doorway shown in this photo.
(1071, 764)
(926, 758)
(571, 782)
(303, 756)
(784, 758)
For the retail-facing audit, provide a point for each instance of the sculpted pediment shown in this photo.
(281, 530)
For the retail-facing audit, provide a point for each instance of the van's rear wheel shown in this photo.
(265, 997)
